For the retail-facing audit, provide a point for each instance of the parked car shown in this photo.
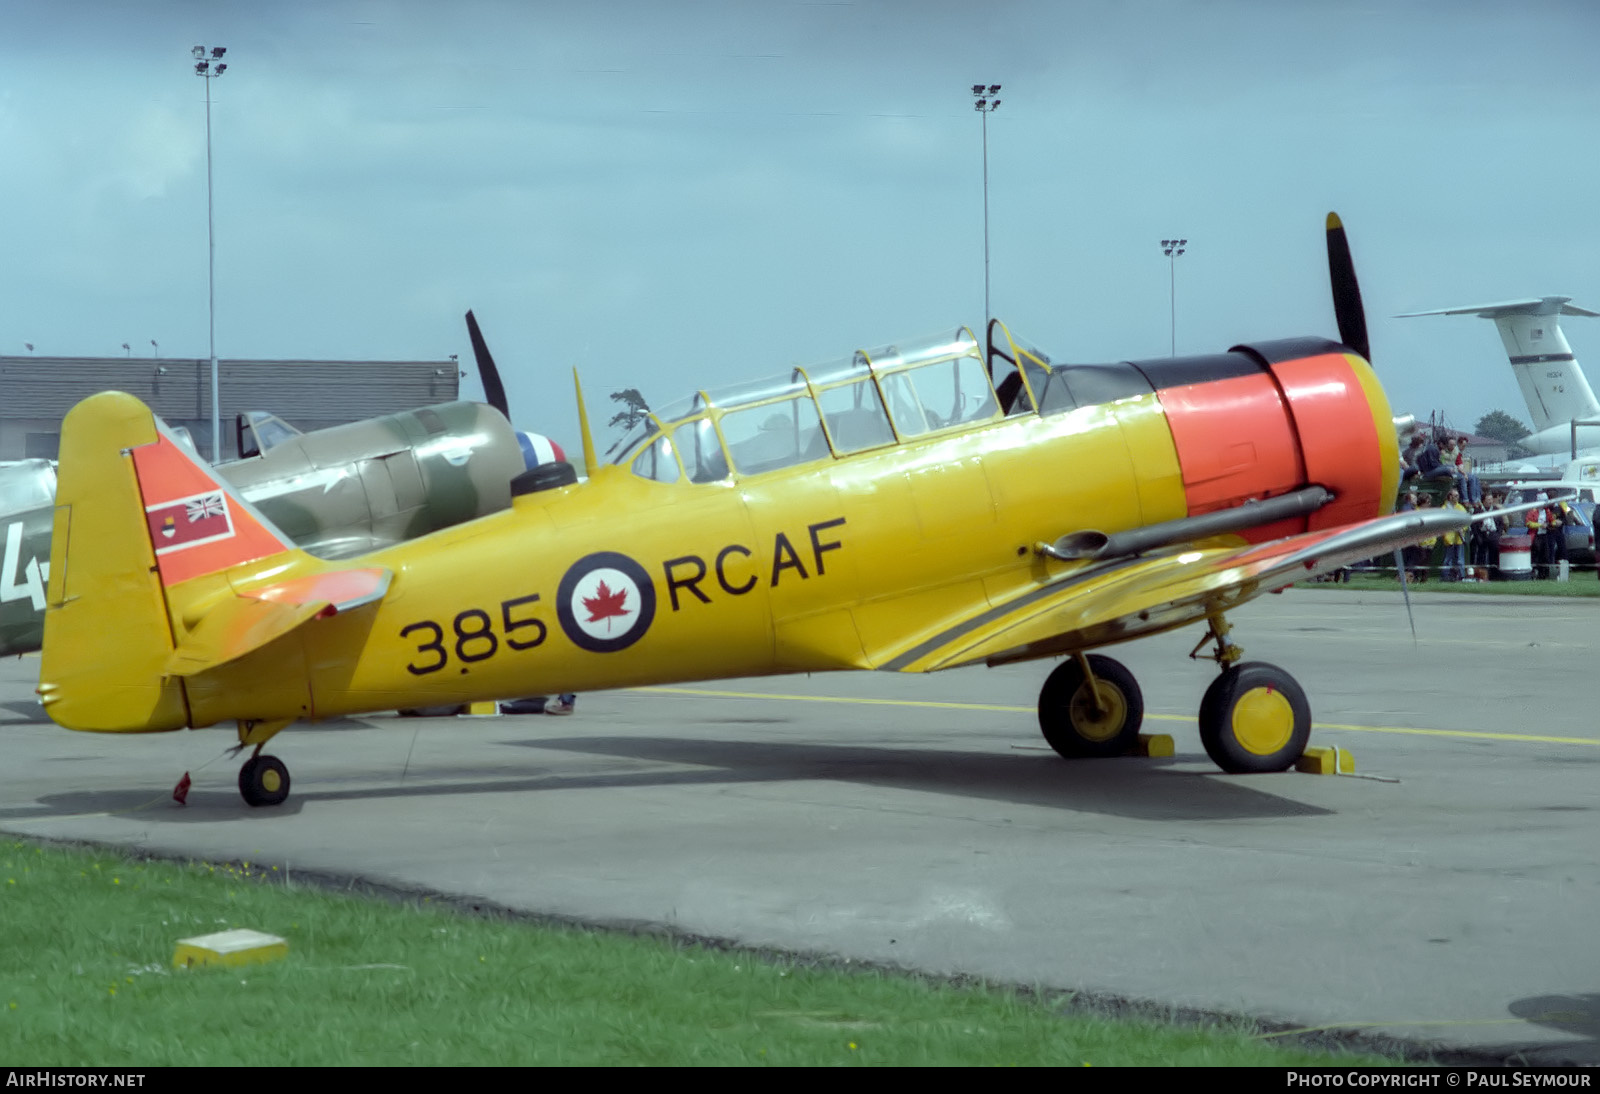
(1580, 529)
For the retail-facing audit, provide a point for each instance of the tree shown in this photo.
(635, 408)
(1500, 426)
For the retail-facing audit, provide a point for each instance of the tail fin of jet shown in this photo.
(1553, 384)
(146, 550)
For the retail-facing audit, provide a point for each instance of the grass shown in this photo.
(1582, 583)
(86, 979)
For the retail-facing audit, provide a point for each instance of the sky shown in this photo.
(675, 196)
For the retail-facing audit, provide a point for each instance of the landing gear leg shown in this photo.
(263, 780)
(1091, 706)
(1254, 717)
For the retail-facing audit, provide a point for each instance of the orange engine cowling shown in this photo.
(1267, 418)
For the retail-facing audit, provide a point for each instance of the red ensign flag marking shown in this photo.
(189, 521)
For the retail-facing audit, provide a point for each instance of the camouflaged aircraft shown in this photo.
(912, 508)
(335, 492)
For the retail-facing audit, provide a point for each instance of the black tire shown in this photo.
(264, 780)
(1067, 716)
(1254, 719)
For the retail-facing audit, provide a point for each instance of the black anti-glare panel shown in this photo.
(1057, 399)
(1290, 349)
(1165, 372)
(1093, 384)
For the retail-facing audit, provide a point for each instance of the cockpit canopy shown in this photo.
(872, 399)
(259, 433)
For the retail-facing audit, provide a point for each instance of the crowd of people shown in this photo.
(1443, 457)
(1475, 554)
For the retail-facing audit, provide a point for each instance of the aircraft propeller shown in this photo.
(546, 464)
(1346, 291)
(494, 392)
(1352, 318)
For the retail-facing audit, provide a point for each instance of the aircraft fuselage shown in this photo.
(872, 560)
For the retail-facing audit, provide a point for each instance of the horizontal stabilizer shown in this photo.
(244, 623)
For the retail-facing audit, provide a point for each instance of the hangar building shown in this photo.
(36, 393)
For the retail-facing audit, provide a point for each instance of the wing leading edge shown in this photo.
(1126, 598)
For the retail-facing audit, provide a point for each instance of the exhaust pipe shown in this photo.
(1098, 546)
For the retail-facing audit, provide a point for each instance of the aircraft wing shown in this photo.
(1128, 597)
(249, 620)
(1548, 305)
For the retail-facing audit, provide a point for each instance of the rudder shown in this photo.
(135, 514)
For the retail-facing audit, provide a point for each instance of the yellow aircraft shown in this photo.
(897, 510)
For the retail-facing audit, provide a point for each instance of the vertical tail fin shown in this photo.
(1552, 382)
(135, 515)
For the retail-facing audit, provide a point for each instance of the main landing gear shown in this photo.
(263, 780)
(1254, 716)
(1091, 706)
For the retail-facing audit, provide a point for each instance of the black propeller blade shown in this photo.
(494, 392)
(1346, 291)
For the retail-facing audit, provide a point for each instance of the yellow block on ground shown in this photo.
(237, 947)
(483, 710)
(1155, 744)
(1326, 761)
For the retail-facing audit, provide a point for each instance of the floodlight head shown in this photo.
(995, 105)
(199, 52)
(200, 69)
(993, 88)
(977, 89)
(1183, 242)
(1166, 242)
(218, 51)
(221, 69)
(980, 104)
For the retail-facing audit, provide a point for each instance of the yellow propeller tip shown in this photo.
(1334, 222)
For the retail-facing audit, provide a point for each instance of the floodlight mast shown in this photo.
(985, 103)
(1172, 248)
(209, 68)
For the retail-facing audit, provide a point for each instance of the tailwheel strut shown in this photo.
(263, 780)
(1091, 706)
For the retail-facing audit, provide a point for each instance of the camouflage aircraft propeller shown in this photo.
(893, 510)
(336, 492)
(547, 465)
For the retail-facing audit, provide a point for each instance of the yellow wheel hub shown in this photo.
(1104, 723)
(1263, 720)
(271, 781)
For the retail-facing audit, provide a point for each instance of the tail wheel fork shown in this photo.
(263, 780)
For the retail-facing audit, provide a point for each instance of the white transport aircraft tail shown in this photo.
(1553, 384)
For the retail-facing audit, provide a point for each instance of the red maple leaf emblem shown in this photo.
(606, 604)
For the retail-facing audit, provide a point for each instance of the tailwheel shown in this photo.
(1254, 718)
(264, 780)
(1091, 706)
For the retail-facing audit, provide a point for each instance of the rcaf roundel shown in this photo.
(605, 602)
